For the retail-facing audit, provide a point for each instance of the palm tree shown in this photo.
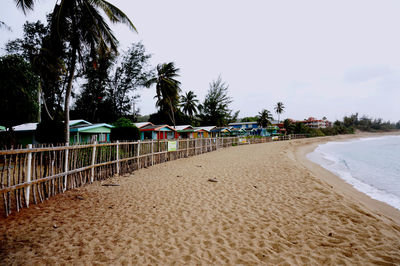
(264, 118)
(81, 25)
(279, 109)
(167, 88)
(189, 104)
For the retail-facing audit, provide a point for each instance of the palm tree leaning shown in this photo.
(189, 104)
(264, 118)
(167, 89)
(279, 109)
(80, 25)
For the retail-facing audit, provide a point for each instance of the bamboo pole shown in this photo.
(93, 162)
(152, 152)
(138, 154)
(28, 175)
(117, 157)
(66, 168)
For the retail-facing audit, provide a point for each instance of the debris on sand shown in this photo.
(110, 185)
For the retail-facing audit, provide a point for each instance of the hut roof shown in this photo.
(184, 127)
(207, 128)
(87, 127)
(156, 127)
(142, 124)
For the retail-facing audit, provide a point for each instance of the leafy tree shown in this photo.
(249, 119)
(167, 89)
(215, 108)
(264, 118)
(45, 57)
(90, 104)
(279, 109)
(107, 97)
(123, 122)
(189, 104)
(132, 74)
(81, 25)
(18, 90)
(289, 126)
(351, 121)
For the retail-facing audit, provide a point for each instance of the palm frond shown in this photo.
(25, 5)
(114, 13)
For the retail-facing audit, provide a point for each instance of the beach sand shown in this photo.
(270, 206)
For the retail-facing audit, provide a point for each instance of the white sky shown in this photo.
(319, 58)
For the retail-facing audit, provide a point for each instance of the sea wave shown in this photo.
(341, 161)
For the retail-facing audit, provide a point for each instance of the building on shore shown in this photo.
(312, 122)
(81, 131)
(203, 132)
(155, 132)
(184, 132)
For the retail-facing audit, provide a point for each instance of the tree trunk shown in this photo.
(68, 95)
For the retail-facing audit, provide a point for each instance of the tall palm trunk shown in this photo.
(68, 94)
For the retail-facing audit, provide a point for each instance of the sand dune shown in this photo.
(266, 208)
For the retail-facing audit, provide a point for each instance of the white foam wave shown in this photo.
(337, 165)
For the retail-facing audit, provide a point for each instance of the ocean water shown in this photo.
(371, 165)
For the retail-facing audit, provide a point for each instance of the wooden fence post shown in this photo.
(66, 167)
(138, 154)
(93, 161)
(117, 157)
(152, 152)
(28, 176)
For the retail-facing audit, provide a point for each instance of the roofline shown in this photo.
(157, 128)
(90, 127)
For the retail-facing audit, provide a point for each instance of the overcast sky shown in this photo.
(319, 58)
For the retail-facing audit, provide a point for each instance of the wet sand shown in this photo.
(269, 206)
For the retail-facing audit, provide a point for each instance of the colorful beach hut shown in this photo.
(184, 131)
(89, 133)
(157, 132)
(220, 132)
(203, 132)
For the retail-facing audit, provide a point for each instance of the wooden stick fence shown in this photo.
(33, 175)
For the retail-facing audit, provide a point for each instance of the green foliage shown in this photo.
(107, 97)
(50, 131)
(189, 103)
(215, 108)
(264, 118)
(123, 122)
(18, 90)
(81, 26)
(46, 58)
(124, 129)
(167, 89)
(367, 124)
(249, 119)
(289, 126)
(279, 109)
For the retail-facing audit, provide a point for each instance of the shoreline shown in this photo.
(380, 208)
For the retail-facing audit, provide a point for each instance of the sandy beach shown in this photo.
(270, 206)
